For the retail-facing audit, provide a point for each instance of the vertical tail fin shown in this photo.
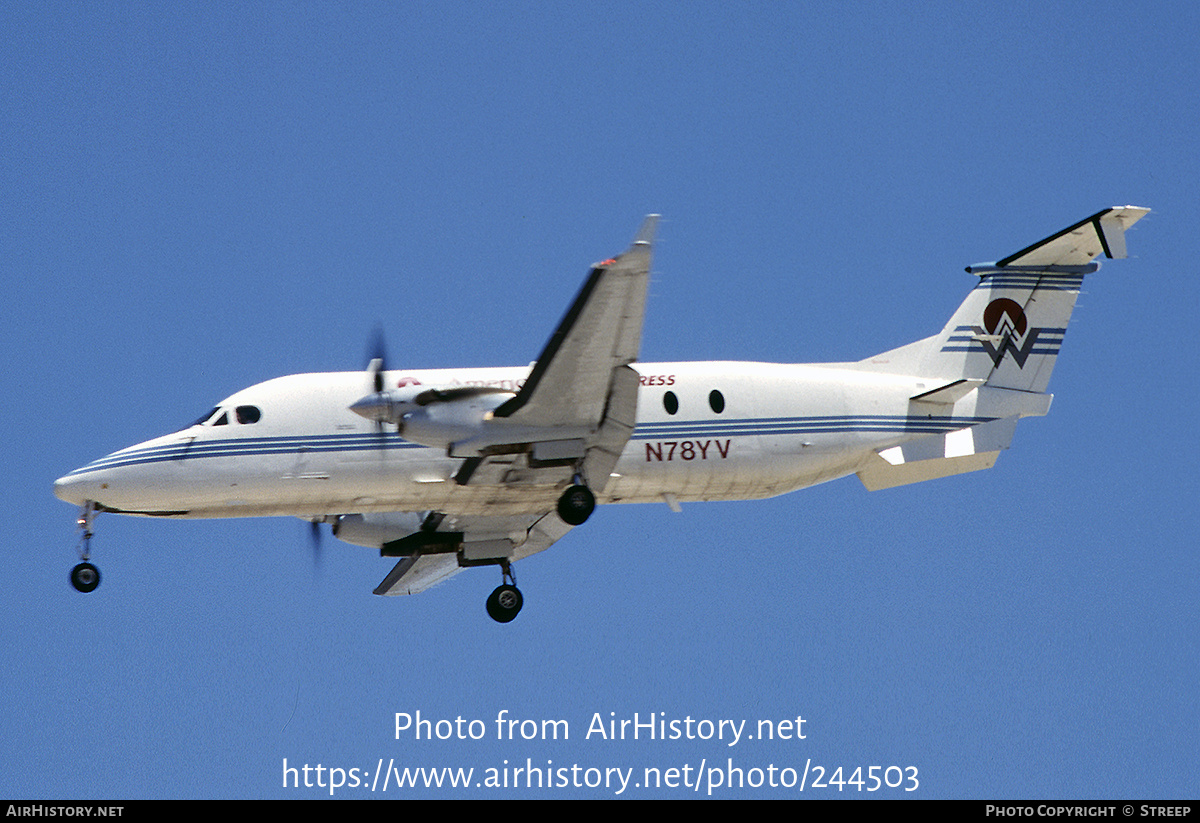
(1008, 331)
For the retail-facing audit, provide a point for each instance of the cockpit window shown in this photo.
(248, 414)
(243, 414)
(207, 415)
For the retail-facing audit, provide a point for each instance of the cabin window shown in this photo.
(717, 401)
(670, 402)
(248, 414)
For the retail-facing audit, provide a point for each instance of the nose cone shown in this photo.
(143, 479)
(75, 488)
(377, 407)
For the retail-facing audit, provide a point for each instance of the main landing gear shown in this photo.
(85, 577)
(576, 504)
(505, 602)
(574, 507)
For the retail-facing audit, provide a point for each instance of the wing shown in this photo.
(575, 412)
(601, 331)
(576, 409)
(582, 380)
(416, 573)
(432, 554)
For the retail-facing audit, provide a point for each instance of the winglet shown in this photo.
(645, 235)
(1113, 225)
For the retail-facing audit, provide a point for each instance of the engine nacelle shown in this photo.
(442, 420)
(435, 417)
(375, 529)
(461, 421)
(400, 534)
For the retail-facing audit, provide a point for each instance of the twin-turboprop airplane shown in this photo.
(453, 468)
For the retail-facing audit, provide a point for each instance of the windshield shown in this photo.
(244, 415)
(203, 418)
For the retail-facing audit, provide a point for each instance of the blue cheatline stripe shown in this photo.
(1014, 280)
(237, 447)
(250, 444)
(971, 341)
(1049, 347)
(1052, 330)
(1049, 340)
(806, 425)
(978, 347)
(680, 429)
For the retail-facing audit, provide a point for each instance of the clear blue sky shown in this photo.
(201, 197)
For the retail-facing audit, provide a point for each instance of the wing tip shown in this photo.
(1112, 224)
(645, 235)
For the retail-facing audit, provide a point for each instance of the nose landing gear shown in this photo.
(85, 577)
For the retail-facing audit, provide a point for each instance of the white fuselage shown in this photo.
(738, 431)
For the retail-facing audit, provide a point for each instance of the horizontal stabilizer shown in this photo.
(965, 450)
(985, 437)
(950, 393)
(884, 476)
(1077, 245)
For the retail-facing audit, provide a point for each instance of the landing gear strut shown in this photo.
(85, 577)
(505, 602)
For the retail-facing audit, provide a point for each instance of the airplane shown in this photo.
(448, 469)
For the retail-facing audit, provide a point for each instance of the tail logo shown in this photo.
(1005, 317)
(1005, 330)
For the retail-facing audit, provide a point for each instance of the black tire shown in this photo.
(576, 505)
(85, 577)
(504, 603)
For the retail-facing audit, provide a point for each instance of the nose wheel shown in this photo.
(85, 577)
(505, 602)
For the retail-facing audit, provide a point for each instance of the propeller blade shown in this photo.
(376, 366)
(377, 358)
(315, 539)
